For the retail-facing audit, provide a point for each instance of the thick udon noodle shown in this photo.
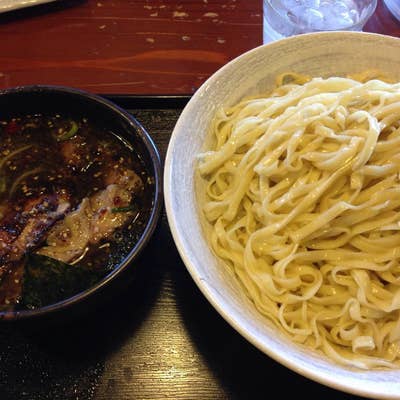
(303, 196)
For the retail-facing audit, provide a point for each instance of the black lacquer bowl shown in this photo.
(56, 99)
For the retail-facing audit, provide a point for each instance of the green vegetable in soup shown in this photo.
(48, 281)
(70, 134)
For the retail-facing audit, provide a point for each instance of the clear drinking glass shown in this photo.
(284, 18)
(394, 7)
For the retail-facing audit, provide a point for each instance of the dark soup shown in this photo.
(74, 199)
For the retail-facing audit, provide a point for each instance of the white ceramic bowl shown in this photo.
(316, 54)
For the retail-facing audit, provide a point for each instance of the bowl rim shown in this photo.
(179, 242)
(152, 222)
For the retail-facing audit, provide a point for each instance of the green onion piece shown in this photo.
(71, 133)
(14, 153)
(22, 177)
(123, 209)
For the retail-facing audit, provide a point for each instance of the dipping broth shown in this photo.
(74, 200)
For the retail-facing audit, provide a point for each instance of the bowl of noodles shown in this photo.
(282, 193)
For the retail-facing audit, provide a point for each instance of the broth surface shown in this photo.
(74, 199)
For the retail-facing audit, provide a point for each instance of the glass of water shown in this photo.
(284, 18)
(394, 7)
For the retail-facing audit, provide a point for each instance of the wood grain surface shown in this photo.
(124, 46)
(134, 47)
(159, 339)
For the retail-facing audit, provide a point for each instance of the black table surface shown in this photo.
(157, 339)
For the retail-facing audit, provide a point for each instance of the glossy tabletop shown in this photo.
(134, 47)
